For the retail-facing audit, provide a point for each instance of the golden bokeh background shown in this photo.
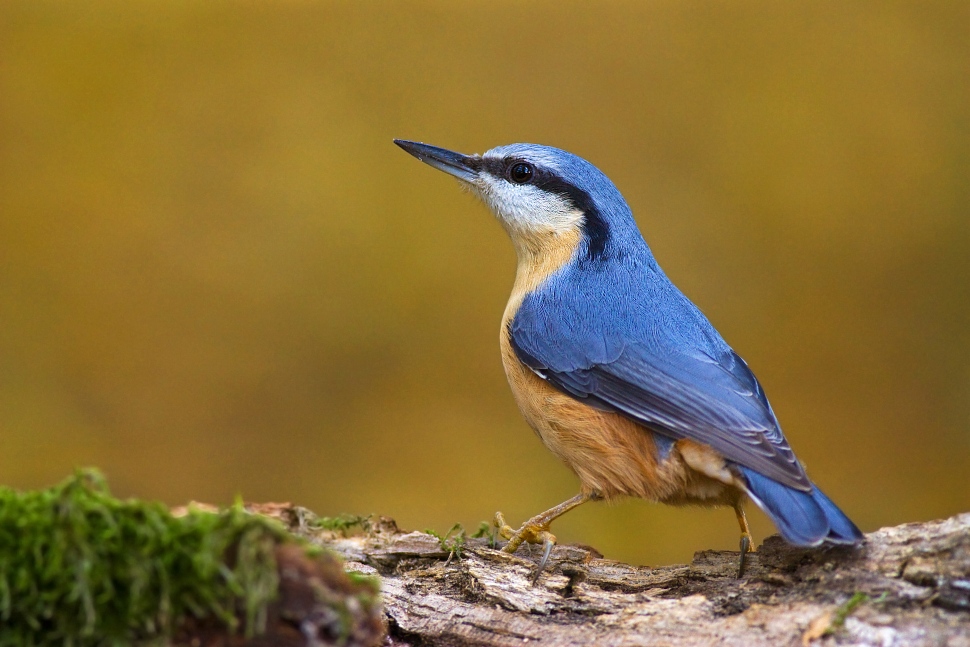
(218, 276)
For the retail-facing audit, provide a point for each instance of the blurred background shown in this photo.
(218, 276)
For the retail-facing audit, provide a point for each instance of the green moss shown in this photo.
(845, 610)
(342, 524)
(454, 540)
(79, 567)
(485, 529)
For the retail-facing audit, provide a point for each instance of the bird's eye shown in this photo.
(521, 173)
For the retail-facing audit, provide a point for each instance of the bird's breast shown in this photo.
(614, 456)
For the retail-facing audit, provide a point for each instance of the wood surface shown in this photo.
(908, 585)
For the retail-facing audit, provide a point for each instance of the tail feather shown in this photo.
(841, 528)
(802, 518)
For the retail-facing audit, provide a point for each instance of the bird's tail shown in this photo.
(803, 518)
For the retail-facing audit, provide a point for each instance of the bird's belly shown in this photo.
(614, 456)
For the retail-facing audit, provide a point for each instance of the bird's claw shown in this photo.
(546, 551)
(505, 531)
(533, 531)
(745, 547)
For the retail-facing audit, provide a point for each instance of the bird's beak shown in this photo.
(463, 167)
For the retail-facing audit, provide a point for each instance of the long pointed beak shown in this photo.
(463, 167)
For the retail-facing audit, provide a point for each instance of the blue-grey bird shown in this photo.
(620, 375)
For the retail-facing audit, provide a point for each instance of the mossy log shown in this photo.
(908, 585)
(79, 567)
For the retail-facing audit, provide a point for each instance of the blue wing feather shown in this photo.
(652, 356)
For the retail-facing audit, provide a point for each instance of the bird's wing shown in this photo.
(672, 373)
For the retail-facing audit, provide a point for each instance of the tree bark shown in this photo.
(908, 585)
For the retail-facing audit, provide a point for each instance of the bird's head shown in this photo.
(544, 197)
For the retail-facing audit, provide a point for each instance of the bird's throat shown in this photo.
(541, 253)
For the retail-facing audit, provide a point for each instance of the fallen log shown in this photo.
(908, 585)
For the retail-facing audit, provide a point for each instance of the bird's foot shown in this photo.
(745, 537)
(533, 531)
(745, 547)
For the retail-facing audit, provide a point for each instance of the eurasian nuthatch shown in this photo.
(620, 375)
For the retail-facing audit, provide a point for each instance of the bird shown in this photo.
(620, 375)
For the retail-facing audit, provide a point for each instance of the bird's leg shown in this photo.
(536, 529)
(745, 537)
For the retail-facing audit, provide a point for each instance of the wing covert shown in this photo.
(682, 382)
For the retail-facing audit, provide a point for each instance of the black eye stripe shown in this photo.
(503, 168)
(495, 167)
(595, 226)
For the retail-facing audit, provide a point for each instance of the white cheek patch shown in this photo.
(523, 207)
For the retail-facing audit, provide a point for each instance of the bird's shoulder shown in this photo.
(600, 310)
